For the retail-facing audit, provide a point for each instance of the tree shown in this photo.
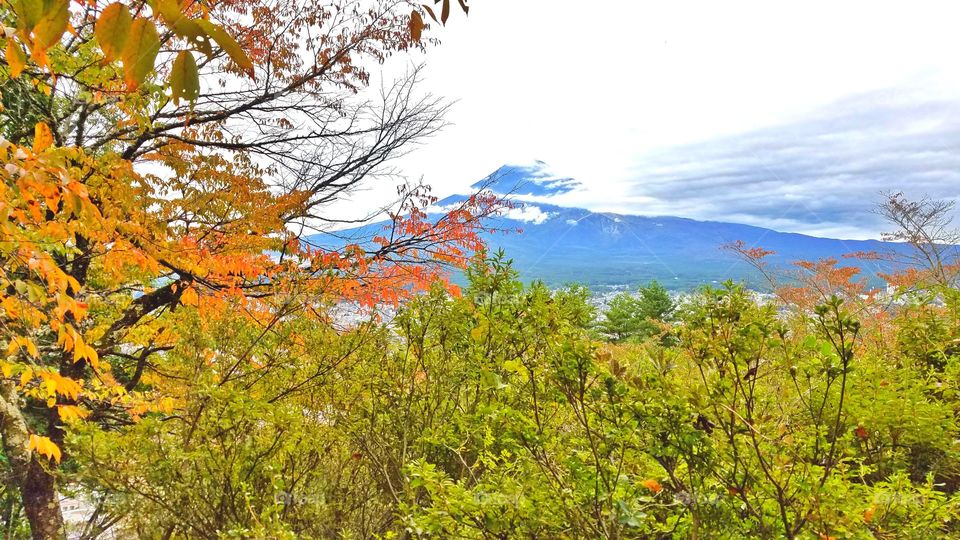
(491, 413)
(632, 316)
(927, 226)
(655, 302)
(168, 154)
(927, 277)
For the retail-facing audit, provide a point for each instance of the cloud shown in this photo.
(528, 214)
(700, 116)
(821, 175)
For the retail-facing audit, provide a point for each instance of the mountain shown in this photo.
(561, 244)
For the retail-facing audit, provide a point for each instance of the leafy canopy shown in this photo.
(163, 155)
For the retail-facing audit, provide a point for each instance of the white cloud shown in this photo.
(528, 214)
(599, 91)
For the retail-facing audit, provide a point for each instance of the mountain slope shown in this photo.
(560, 244)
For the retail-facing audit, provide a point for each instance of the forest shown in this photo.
(174, 365)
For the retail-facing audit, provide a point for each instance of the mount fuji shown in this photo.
(561, 244)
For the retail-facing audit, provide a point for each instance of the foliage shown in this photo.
(494, 414)
(631, 317)
(174, 354)
(161, 156)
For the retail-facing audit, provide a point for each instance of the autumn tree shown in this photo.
(925, 278)
(926, 225)
(163, 154)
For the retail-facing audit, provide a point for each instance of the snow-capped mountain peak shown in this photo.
(533, 180)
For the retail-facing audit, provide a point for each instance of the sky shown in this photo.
(791, 115)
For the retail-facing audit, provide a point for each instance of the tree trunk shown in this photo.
(41, 503)
(38, 486)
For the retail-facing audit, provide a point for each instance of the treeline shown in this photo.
(497, 414)
(173, 366)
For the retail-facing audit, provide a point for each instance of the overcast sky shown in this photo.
(790, 115)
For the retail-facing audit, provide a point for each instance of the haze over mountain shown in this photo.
(561, 244)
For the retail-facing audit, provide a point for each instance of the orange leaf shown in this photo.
(42, 137)
(71, 413)
(416, 25)
(45, 447)
(652, 485)
(189, 297)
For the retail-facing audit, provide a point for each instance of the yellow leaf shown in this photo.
(164, 405)
(16, 58)
(140, 52)
(183, 26)
(91, 355)
(31, 348)
(71, 413)
(49, 384)
(26, 376)
(229, 45)
(45, 447)
(184, 78)
(64, 386)
(28, 13)
(52, 25)
(82, 351)
(113, 29)
(72, 281)
(42, 137)
(65, 337)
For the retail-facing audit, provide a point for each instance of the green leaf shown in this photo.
(514, 366)
(113, 29)
(184, 78)
(480, 331)
(140, 52)
(228, 44)
(491, 381)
